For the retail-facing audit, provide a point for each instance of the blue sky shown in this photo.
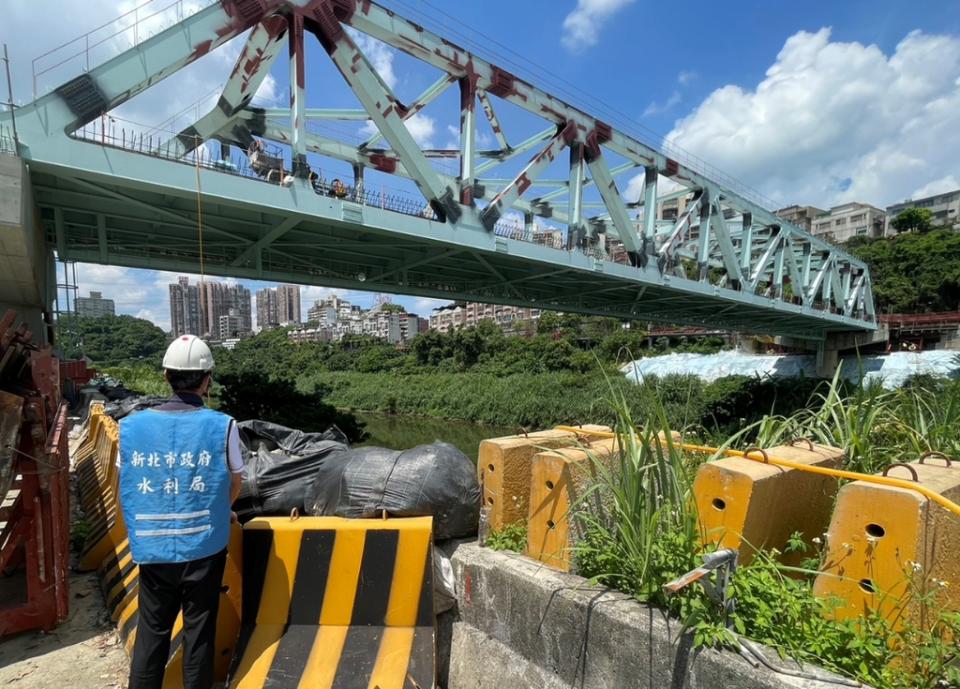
(812, 103)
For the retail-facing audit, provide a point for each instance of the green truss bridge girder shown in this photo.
(725, 261)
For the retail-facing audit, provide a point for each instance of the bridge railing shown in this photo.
(107, 40)
(130, 136)
(8, 144)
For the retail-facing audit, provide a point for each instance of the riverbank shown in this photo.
(540, 400)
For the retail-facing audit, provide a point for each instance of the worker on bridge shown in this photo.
(180, 471)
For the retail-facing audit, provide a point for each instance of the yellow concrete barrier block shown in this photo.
(503, 468)
(748, 505)
(558, 480)
(885, 542)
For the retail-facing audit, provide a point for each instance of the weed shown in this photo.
(511, 537)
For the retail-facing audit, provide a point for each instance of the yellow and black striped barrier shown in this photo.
(119, 578)
(95, 465)
(331, 603)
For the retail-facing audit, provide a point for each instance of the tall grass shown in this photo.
(875, 426)
(643, 529)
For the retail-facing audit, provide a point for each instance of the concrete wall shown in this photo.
(24, 260)
(523, 626)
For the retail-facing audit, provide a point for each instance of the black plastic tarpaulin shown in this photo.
(436, 479)
(280, 463)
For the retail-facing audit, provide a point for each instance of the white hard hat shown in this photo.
(188, 353)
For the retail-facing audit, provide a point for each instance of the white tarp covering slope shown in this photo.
(892, 369)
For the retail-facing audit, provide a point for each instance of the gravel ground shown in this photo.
(83, 652)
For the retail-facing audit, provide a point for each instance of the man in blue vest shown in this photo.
(180, 471)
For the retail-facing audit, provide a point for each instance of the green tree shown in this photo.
(111, 340)
(913, 272)
(913, 220)
(252, 395)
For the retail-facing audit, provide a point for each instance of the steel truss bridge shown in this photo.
(132, 200)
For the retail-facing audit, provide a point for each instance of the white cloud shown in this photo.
(140, 293)
(421, 127)
(686, 76)
(378, 53)
(423, 305)
(833, 121)
(581, 28)
(483, 139)
(635, 185)
(656, 108)
(937, 186)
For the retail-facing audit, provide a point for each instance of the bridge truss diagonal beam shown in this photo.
(384, 109)
(718, 243)
(248, 74)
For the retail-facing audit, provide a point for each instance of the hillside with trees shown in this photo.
(111, 340)
(915, 272)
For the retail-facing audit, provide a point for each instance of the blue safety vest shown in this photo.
(175, 484)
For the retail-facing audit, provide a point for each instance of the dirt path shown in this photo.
(83, 652)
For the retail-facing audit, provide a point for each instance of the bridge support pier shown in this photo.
(827, 359)
(828, 350)
(27, 281)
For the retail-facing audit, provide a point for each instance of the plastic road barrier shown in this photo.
(97, 485)
(119, 579)
(331, 603)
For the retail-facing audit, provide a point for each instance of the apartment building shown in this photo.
(199, 309)
(337, 318)
(842, 223)
(278, 306)
(466, 315)
(945, 209)
(185, 315)
(95, 306)
(801, 216)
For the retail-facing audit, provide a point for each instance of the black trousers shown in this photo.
(165, 589)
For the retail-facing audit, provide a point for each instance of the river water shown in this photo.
(400, 432)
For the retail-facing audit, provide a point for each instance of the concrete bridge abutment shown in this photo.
(27, 277)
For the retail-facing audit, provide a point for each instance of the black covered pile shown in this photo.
(436, 479)
(280, 465)
(120, 408)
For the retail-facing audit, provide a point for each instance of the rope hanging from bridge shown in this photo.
(196, 158)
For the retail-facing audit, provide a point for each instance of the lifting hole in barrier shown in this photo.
(489, 499)
(867, 586)
(550, 524)
(549, 485)
(225, 588)
(491, 468)
(719, 505)
(875, 531)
